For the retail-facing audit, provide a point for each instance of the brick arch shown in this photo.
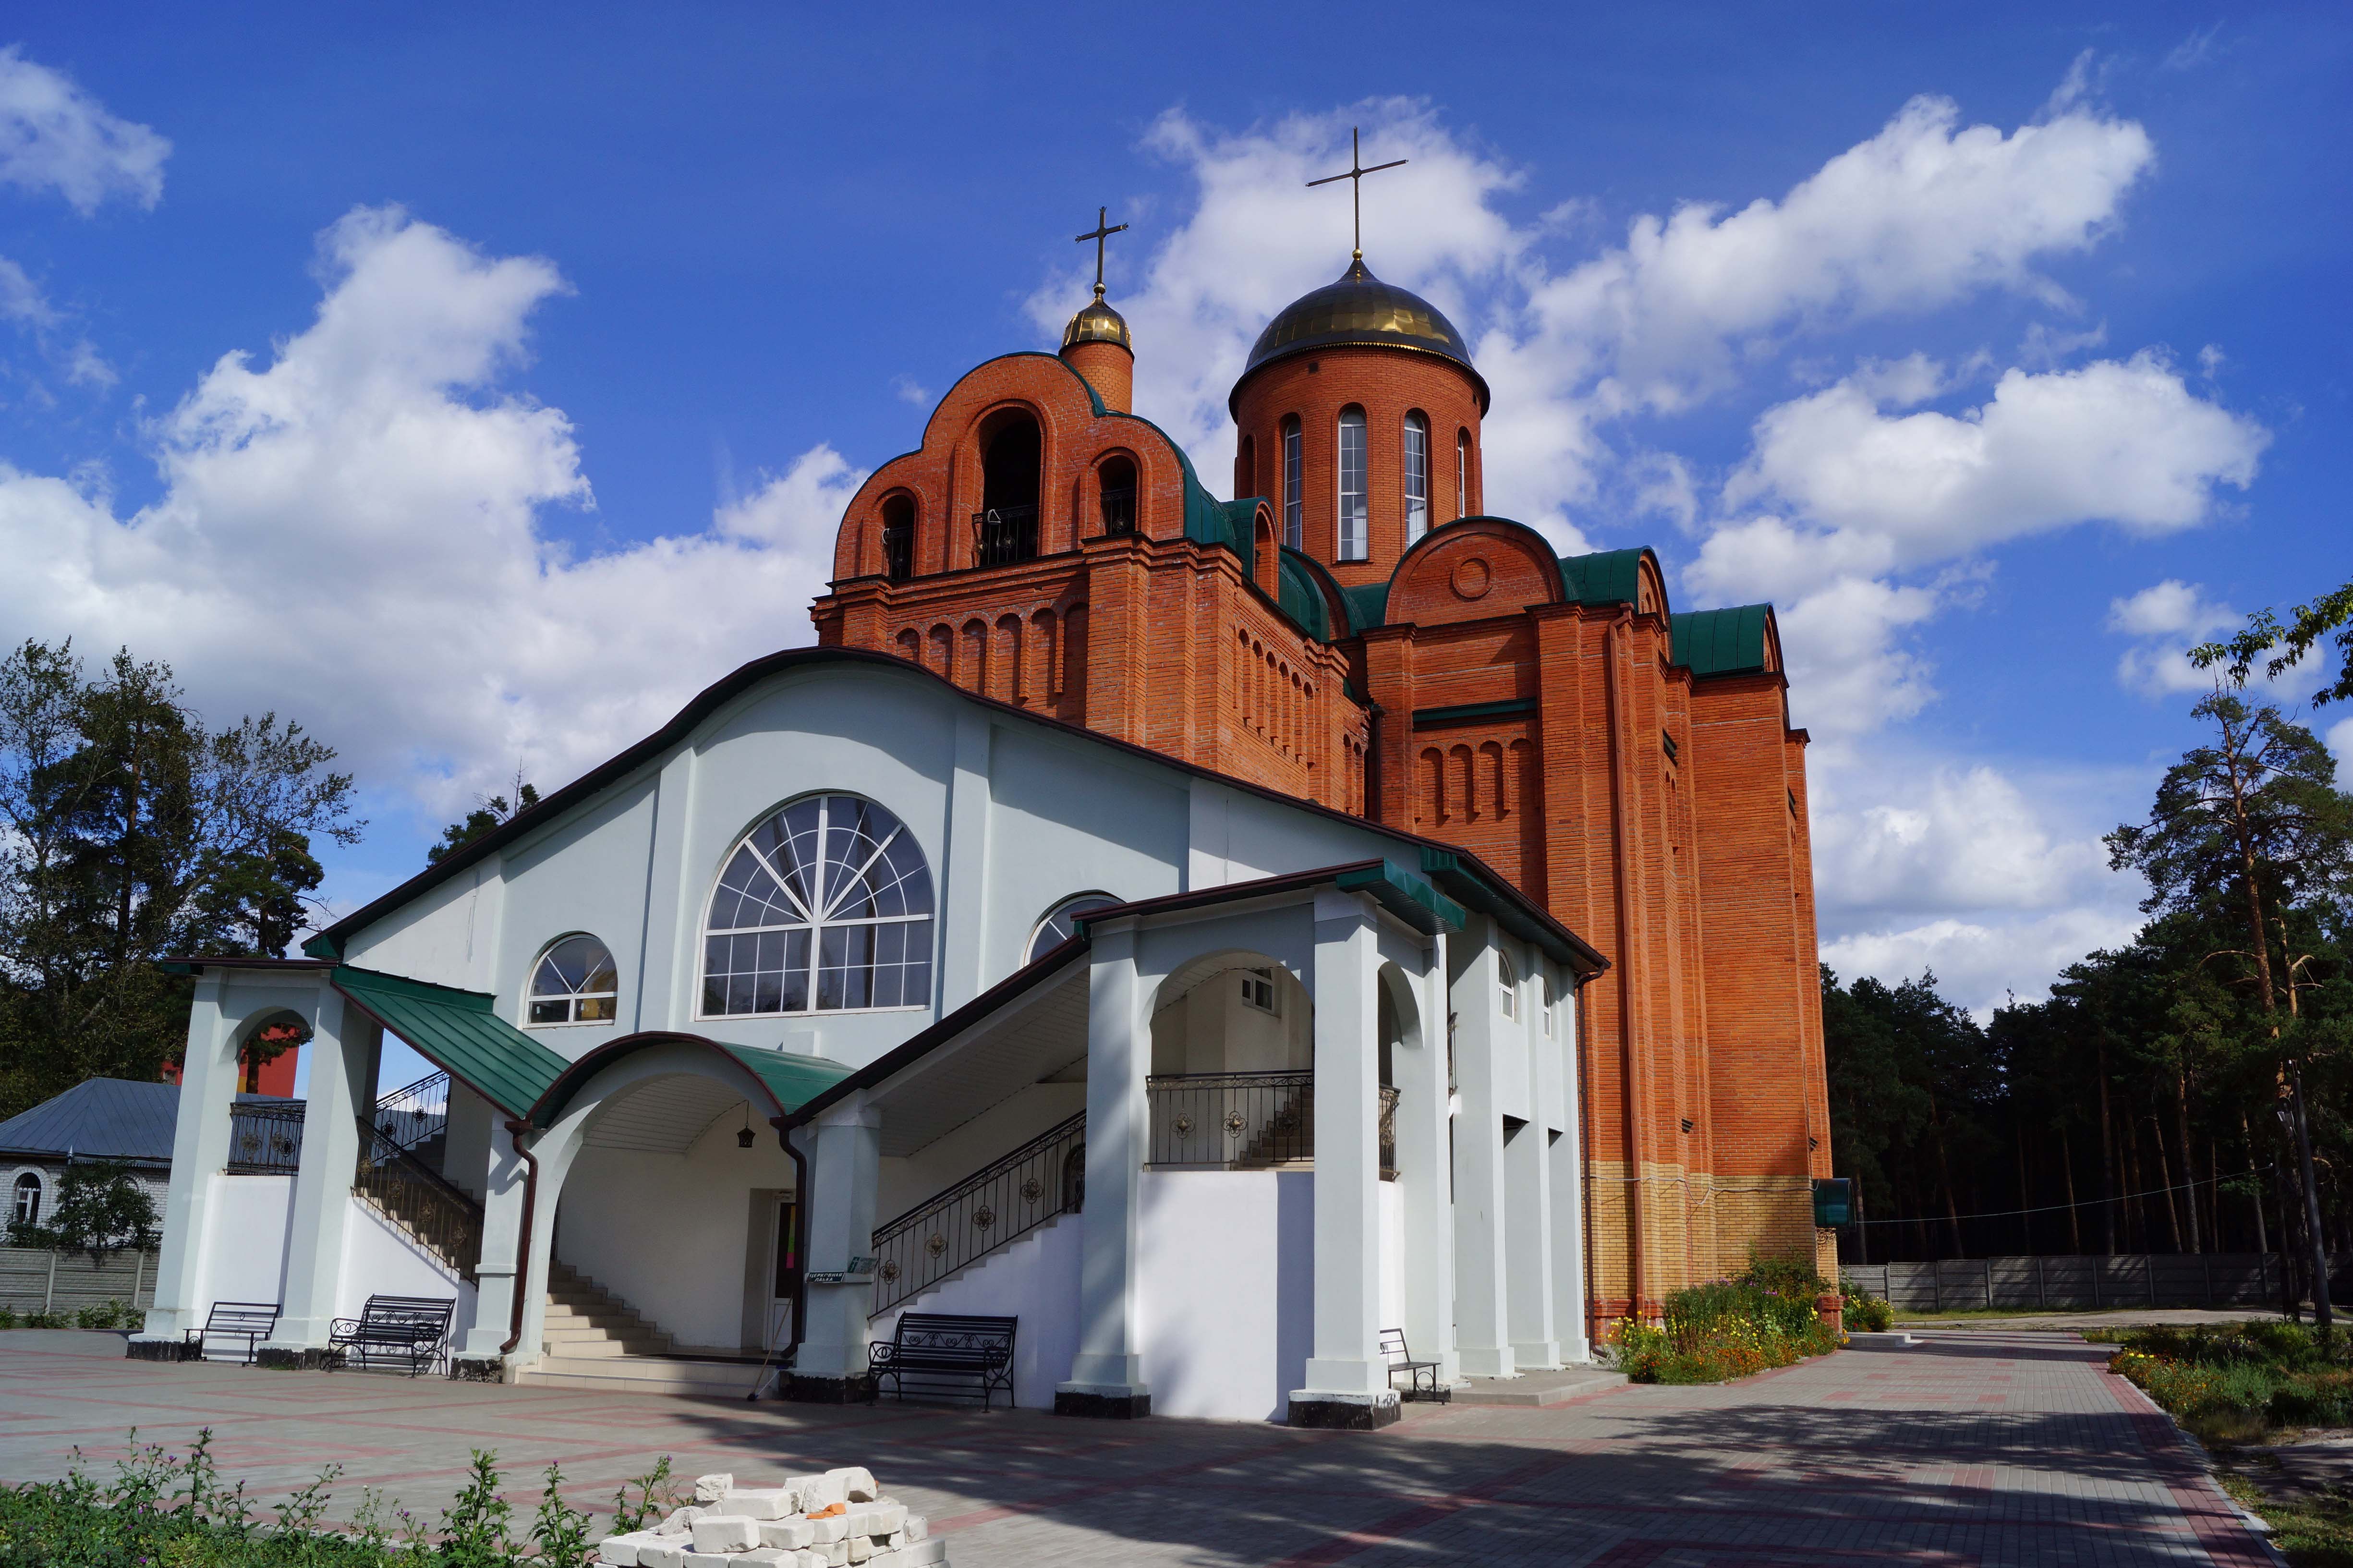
(1474, 569)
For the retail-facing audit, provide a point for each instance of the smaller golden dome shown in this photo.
(1098, 323)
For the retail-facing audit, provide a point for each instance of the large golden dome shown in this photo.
(1360, 310)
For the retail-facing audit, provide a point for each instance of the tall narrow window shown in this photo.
(1463, 473)
(1293, 529)
(28, 1199)
(1417, 477)
(1355, 529)
(1507, 983)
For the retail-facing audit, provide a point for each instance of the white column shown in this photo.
(1566, 1157)
(1482, 1334)
(199, 1151)
(1346, 1361)
(845, 1170)
(1424, 1177)
(505, 1177)
(343, 1045)
(963, 869)
(1107, 1371)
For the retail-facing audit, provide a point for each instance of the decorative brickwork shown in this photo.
(1467, 685)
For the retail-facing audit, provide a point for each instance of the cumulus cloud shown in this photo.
(352, 532)
(55, 136)
(1982, 963)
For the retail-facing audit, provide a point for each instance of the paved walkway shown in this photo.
(2005, 1448)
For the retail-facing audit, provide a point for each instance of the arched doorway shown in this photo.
(1006, 528)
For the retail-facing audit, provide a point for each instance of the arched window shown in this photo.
(1551, 1008)
(1417, 477)
(1293, 527)
(1356, 530)
(1057, 927)
(826, 906)
(574, 983)
(28, 1197)
(899, 538)
(1507, 980)
(1007, 527)
(1118, 481)
(1463, 473)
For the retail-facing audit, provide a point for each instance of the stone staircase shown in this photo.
(594, 1340)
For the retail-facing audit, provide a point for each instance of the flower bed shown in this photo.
(2240, 1381)
(1764, 1317)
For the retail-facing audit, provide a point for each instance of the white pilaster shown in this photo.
(845, 1150)
(343, 1046)
(1566, 1157)
(1424, 1176)
(1109, 1363)
(505, 1177)
(964, 901)
(1483, 1332)
(199, 1151)
(1346, 1359)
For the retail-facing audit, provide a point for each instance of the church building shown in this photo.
(1226, 936)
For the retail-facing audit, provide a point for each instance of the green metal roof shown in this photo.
(1606, 576)
(460, 1032)
(1405, 895)
(1446, 869)
(1368, 605)
(1302, 599)
(791, 1079)
(1721, 642)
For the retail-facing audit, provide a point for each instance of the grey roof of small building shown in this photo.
(98, 1118)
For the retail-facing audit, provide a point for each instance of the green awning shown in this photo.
(460, 1032)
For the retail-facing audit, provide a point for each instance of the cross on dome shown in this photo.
(1355, 177)
(1103, 229)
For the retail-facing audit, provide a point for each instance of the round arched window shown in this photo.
(826, 906)
(575, 983)
(1507, 981)
(1058, 926)
(28, 1197)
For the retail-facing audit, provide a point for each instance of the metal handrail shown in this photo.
(1000, 1203)
(414, 1112)
(441, 1216)
(265, 1139)
(1231, 1120)
(1003, 534)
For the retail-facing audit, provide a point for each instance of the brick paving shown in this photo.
(1975, 1448)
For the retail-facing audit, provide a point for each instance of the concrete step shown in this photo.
(644, 1374)
(1537, 1388)
(606, 1350)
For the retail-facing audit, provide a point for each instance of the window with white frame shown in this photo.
(1417, 477)
(1507, 982)
(825, 907)
(1356, 528)
(28, 1197)
(574, 983)
(1061, 923)
(1463, 473)
(1551, 1009)
(1258, 990)
(1293, 526)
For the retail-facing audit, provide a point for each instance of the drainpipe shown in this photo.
(784, 1125)
(515, 1130)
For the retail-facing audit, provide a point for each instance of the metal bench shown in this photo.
(1422, 1375)
(942, 1356)
(252, 1321)
(403, 1330)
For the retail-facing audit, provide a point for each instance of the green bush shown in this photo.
(162, 1510)
(114, 1314)
(2239, 1382)
(1865, 1313)
(1764, 1317)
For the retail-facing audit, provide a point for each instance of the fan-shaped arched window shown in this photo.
(1417, 477)
(1057, 927)
(823, 906)
(575, 983)
(28, 1197)
(1507, 980)
(1356, 529)
(1294, 528)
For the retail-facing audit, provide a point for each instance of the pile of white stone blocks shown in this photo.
(807, 1521)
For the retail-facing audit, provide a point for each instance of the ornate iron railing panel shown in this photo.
(415, 1114)
(442, 1218)
(1388, 1132)
(1232, 1120)
(265, 1138)
(1119, 509)
(1003, 534)
(998, 1204)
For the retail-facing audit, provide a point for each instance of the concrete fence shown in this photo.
(2124, 1280)
(35, 1280)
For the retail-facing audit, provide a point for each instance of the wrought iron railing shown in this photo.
(442, 1218)
(1000, 1202)
(1242, 1121)
(264, 1138)
(1119, 509)
(1003, 534)
(415, 1114)
(898, 551)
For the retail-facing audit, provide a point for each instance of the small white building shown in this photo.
(850, 993)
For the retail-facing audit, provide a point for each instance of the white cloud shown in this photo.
(55, 136)
(23, 303)
(350, 533)
(2339, 740)
(2167, 619)
(1982, 963)
(1942, 838)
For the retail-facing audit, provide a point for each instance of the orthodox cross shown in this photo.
(1103, 231)
(1355, 178)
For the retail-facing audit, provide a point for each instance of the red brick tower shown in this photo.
(1355, 630)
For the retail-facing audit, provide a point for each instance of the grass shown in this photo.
(2311, 1532)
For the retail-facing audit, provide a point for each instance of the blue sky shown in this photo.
(476, 389)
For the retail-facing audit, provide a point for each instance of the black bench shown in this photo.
(936, 1355)
(252, 1321)
(1422, 1375)
(401, 1331)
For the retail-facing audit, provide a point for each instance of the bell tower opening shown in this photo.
(899, 538)
(1006, 528)
(1117, 481)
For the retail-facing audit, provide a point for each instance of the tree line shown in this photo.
(2187, 1092)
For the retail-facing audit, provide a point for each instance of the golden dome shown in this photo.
(1360, 310)
(1098, 323)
